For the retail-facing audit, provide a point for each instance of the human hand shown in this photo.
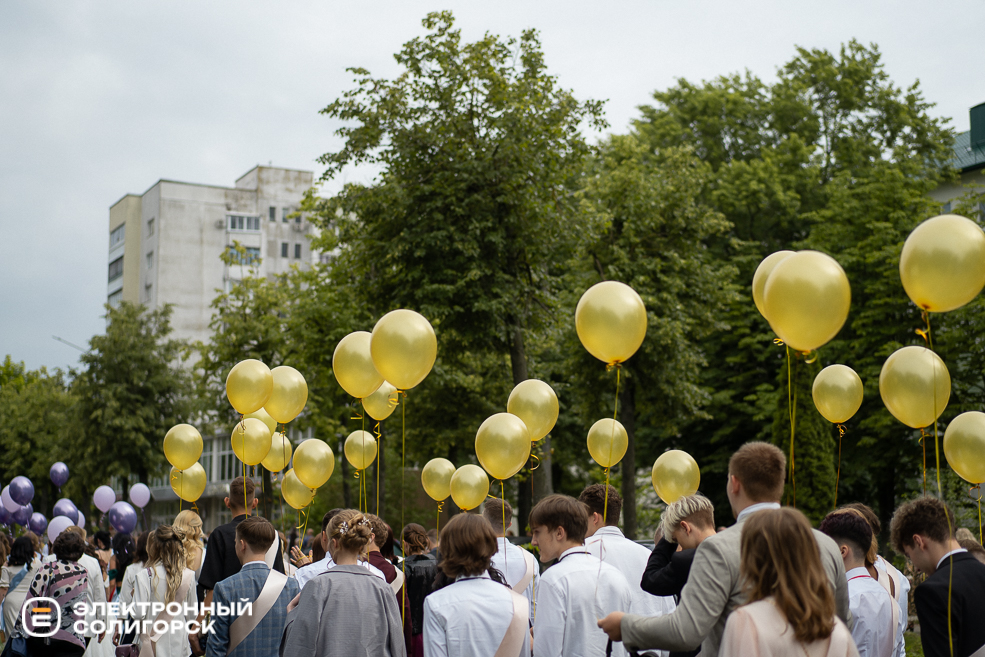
(195, 645)
(612, 625)
(298, 557)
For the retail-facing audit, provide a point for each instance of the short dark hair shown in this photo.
(594, 498)
(21, 552)
(493, 511)
(468, 543)
(258, 533)
(241, 492)
(927, 516)
(140, 551)
(560, 511)
(69, 546)
(848, 529)
(867, 513)
(381, 530)
(327, 518)
(761, 468)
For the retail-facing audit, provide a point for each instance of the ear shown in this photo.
(597, 518)
(734, 485)
(226, 501)
(844, 551)
(919, 542)
(686, 527)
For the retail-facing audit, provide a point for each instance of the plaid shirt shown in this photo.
(264, 640)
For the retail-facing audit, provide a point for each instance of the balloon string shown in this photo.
(379, 444)
(924, 333)
(441, 505)
(792, 411)
(403, 452)
(612, 441)
(923, 442)
(502, 496)
(841, 434)
(359, 491)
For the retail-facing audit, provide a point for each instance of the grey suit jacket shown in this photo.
(713, 590)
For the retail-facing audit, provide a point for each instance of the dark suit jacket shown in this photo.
(666, 574)
(220, 556)
(967, 607)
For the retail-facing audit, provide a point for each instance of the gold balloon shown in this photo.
(264, 417)
(295, 492)
(404, 348)
(611, 321)
(964, 446)
(251, 440)
(607, 442)
(469, 486)
(675, 475)
(360, 449)
(837, 393)
(353, 365)
(943, 263)
(183, 446)
(314, 462)
(436, 478)
(188, 484)
(381, 403)
(807, 297)
(915, 386)
(289, 396)
(280, 452)
(762, 273)
(502, 445)
(535, 403)
(248, 386)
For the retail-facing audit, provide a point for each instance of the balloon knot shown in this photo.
(614, 365)
(810, 356)
(778, 342)
(841, 430)
(536, 460)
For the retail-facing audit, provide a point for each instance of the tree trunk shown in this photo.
(346, 494)
(627, 415)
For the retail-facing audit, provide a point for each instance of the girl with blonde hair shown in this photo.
(189, 523)
(791, 608)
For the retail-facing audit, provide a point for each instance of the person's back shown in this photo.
(166, 579)
(518, 567)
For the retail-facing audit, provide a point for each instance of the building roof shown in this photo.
(965, 157)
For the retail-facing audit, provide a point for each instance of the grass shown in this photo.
(913, 646)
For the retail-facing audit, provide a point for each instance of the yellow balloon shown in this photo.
(675, 475)
(295, 492)
(436, 478)
(248, 386)
(289, 396)
(251, 441)
(353, 365)
(280, 452)
(360, 449)
(382, 403)
(607, 442)
(762, 273)
(964, 446)
(535, 403)
(469, 486)
(611, 321)
(264, 417)
(502, 445)
(943, 263)
(915, 386)
(837, 393)
(188, 484)
(314, 462)
(183, 446)
(404, 348)
(807, 297)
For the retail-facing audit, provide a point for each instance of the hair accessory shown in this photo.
(343, 528)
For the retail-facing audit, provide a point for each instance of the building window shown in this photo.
(297, 251)
(283, 249)
(150, 261)
(116, 269)
(150, 226)
(284, 212)
(244, 222)
(251, 256)
(147, 291)
(946, 208)
(273, 213)
(115, 299)
(297, 219)
(116, 236)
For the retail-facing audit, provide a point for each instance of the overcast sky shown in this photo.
(100, 99)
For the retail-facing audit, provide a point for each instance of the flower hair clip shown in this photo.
(343, 528)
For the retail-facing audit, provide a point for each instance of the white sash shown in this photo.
(512, 642)
(242, 626)
(397, 582)
(528, 573)
(271, 553)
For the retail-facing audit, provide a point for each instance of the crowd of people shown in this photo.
(768, 585)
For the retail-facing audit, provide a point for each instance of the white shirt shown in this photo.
(959, 550)
(630, 558)
(510, 561)
(759, 506)
(902, 585)
(874, 631)
(573, 595)
(307, 573)
(469, 619)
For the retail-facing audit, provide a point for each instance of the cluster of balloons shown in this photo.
(183, 448)
(468, 486)
(15, 498)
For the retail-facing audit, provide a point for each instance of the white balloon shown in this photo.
(7, 501)
(57, 525)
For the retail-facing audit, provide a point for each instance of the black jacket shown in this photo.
(220, 556)
(967, 607)
(666, 574)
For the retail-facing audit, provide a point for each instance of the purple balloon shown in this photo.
(57, 526)
(139, 495)
(58, 474)
(8, 503)
(123, 517)
(23, 515)
(65, 507)
(5, 517)
(38, 523)
(103, 498)
(21, 490)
